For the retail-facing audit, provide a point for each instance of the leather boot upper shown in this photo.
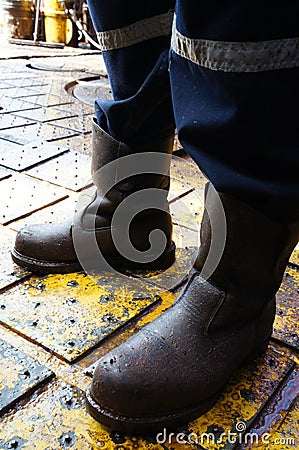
(51, 247)
(174, 368)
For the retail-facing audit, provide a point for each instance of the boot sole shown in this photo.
(46, 267)
(138, 425)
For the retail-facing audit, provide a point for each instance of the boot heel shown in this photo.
(257, 352)
(162, 263)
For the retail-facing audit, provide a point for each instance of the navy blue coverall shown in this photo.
(224, 74)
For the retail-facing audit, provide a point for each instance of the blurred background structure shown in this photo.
(48, 22)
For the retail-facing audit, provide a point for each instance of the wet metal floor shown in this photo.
(54, 328)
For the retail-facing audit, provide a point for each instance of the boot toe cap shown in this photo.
(46, 242)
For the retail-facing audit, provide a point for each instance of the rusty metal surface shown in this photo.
(277, 426)
(70, 373)
(57, 419)
(173, 277)
(71, 170)
(287, 434)
(18, 376)
(20, 157)
(38, 195)
(69, 314)
(287, 311)
(243, 399)
(295, 256)
(9, 272)
(184, 170)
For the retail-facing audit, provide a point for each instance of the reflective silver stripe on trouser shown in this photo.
(143, 30)
(237, 56)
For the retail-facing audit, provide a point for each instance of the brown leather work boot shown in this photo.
(50, 248)
(174, 368)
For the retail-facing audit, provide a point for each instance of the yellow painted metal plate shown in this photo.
(18, 376)
(184, 169)
(20, 157)
(286, 437)
(25, 195)
(242, 400)
(57, 419)
(287, 311)
(69, 314)
(295, 256)
(71, 170)
(173, 277)
(9, 272)
(277, 427)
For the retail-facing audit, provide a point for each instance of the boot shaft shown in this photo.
(256, 249)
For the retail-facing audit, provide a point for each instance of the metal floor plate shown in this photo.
(295, 256)
(49, 114)
(71, 170)
(58, 418)
(5, 173)
(20, 157)
(9, 272)
(15, 105)
(38, 194)
(287, 311)
(11, 121)
(56, 213)
(243, 400)
(19, 375)
(80, 124)
(37, 131)
(69, 314)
